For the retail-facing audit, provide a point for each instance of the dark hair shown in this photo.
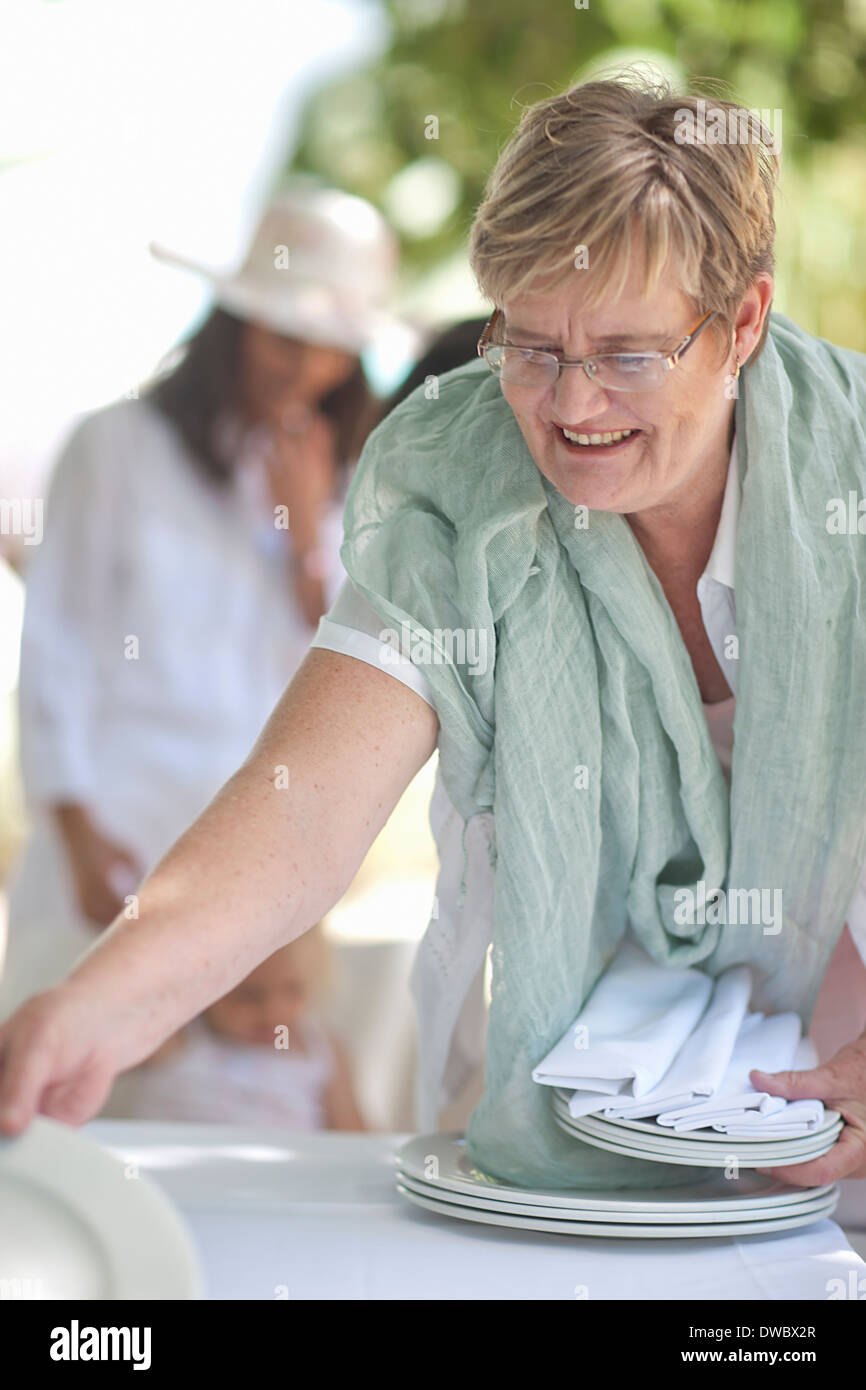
(197, 382)
(451, 347)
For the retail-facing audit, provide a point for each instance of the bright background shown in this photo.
(123, 121)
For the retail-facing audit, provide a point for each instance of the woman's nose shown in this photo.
(576, 398)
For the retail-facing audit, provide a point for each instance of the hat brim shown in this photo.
(296, 312)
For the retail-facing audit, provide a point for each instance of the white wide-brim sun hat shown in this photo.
(321, 267)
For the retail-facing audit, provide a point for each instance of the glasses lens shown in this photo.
(526, 367)
(521, 366)
(630, 372)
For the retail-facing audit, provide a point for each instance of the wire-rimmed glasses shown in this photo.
(612, 371)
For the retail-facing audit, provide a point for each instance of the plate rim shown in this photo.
(560, 1097)
(450, 1140)
(74, 1170)
(686, 1159)
(681, 1141)
(766, 1154)
(653, 1128)
(539, 1224)
(806, 1203)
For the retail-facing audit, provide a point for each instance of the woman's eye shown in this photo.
(629, 364)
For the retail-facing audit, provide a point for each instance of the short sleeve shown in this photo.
(352, 627)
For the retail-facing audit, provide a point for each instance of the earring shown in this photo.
(737, 372)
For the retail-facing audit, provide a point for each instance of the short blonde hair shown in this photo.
(601, 160)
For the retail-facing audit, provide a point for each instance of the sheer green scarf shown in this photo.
(583, 729)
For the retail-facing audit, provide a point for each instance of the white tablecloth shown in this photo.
(317, 1216)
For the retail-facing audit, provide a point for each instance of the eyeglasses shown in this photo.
(613, 371)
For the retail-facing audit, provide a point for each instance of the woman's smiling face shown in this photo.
(681, 430)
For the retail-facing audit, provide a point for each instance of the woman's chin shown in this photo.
(599, 483)
(596, 494)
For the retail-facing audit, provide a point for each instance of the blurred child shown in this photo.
(258, 1056)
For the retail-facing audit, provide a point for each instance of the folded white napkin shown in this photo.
(630, 1029)
(699, 1068)
(770, 1044)
(787, 1121)
(677, 1045)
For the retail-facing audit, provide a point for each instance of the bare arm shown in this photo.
(261, 864)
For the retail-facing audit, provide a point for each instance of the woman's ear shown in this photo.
(752, 316)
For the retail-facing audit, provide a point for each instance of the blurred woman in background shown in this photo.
(191, 545)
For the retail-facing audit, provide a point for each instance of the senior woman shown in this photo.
(541, 564)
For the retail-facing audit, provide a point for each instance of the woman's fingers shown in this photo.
(843, 1075)
(841, 1084)
(77, 1099)
(48, 1064)
(846, 1159)
(817, 1084)
(26, 1056)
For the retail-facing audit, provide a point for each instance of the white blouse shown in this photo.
(450, 956)
(160, 626)
(160, 629)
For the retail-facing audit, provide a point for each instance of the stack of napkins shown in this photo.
(677, 1045)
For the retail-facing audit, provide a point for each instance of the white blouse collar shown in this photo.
(720, 565)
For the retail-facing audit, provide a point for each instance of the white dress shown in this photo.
(160, 629)
(211, 1079)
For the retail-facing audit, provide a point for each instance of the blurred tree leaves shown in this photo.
(473, 64)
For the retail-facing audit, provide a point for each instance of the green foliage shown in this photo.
(473, 65)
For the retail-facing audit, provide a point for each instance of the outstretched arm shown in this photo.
(270, 855)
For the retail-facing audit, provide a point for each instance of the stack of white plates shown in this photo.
(700, 1148)
(435, 1172)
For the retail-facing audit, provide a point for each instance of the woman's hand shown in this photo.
(55, 1059)
(302, 470)
(301, 459)
(260, 865)
(841, 1085)
(103, 872)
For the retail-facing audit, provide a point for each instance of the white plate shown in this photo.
(598, 1228)
(560, 1101)
(751, 1156)
(700, 1161)
(650, 1130)
(675, 1142)
(455, 1172)
(756, 1134)
(77, 1224)
(671, 1148)
(832, 1121)
(809, 1202)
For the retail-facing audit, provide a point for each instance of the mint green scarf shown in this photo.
(450, 525)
